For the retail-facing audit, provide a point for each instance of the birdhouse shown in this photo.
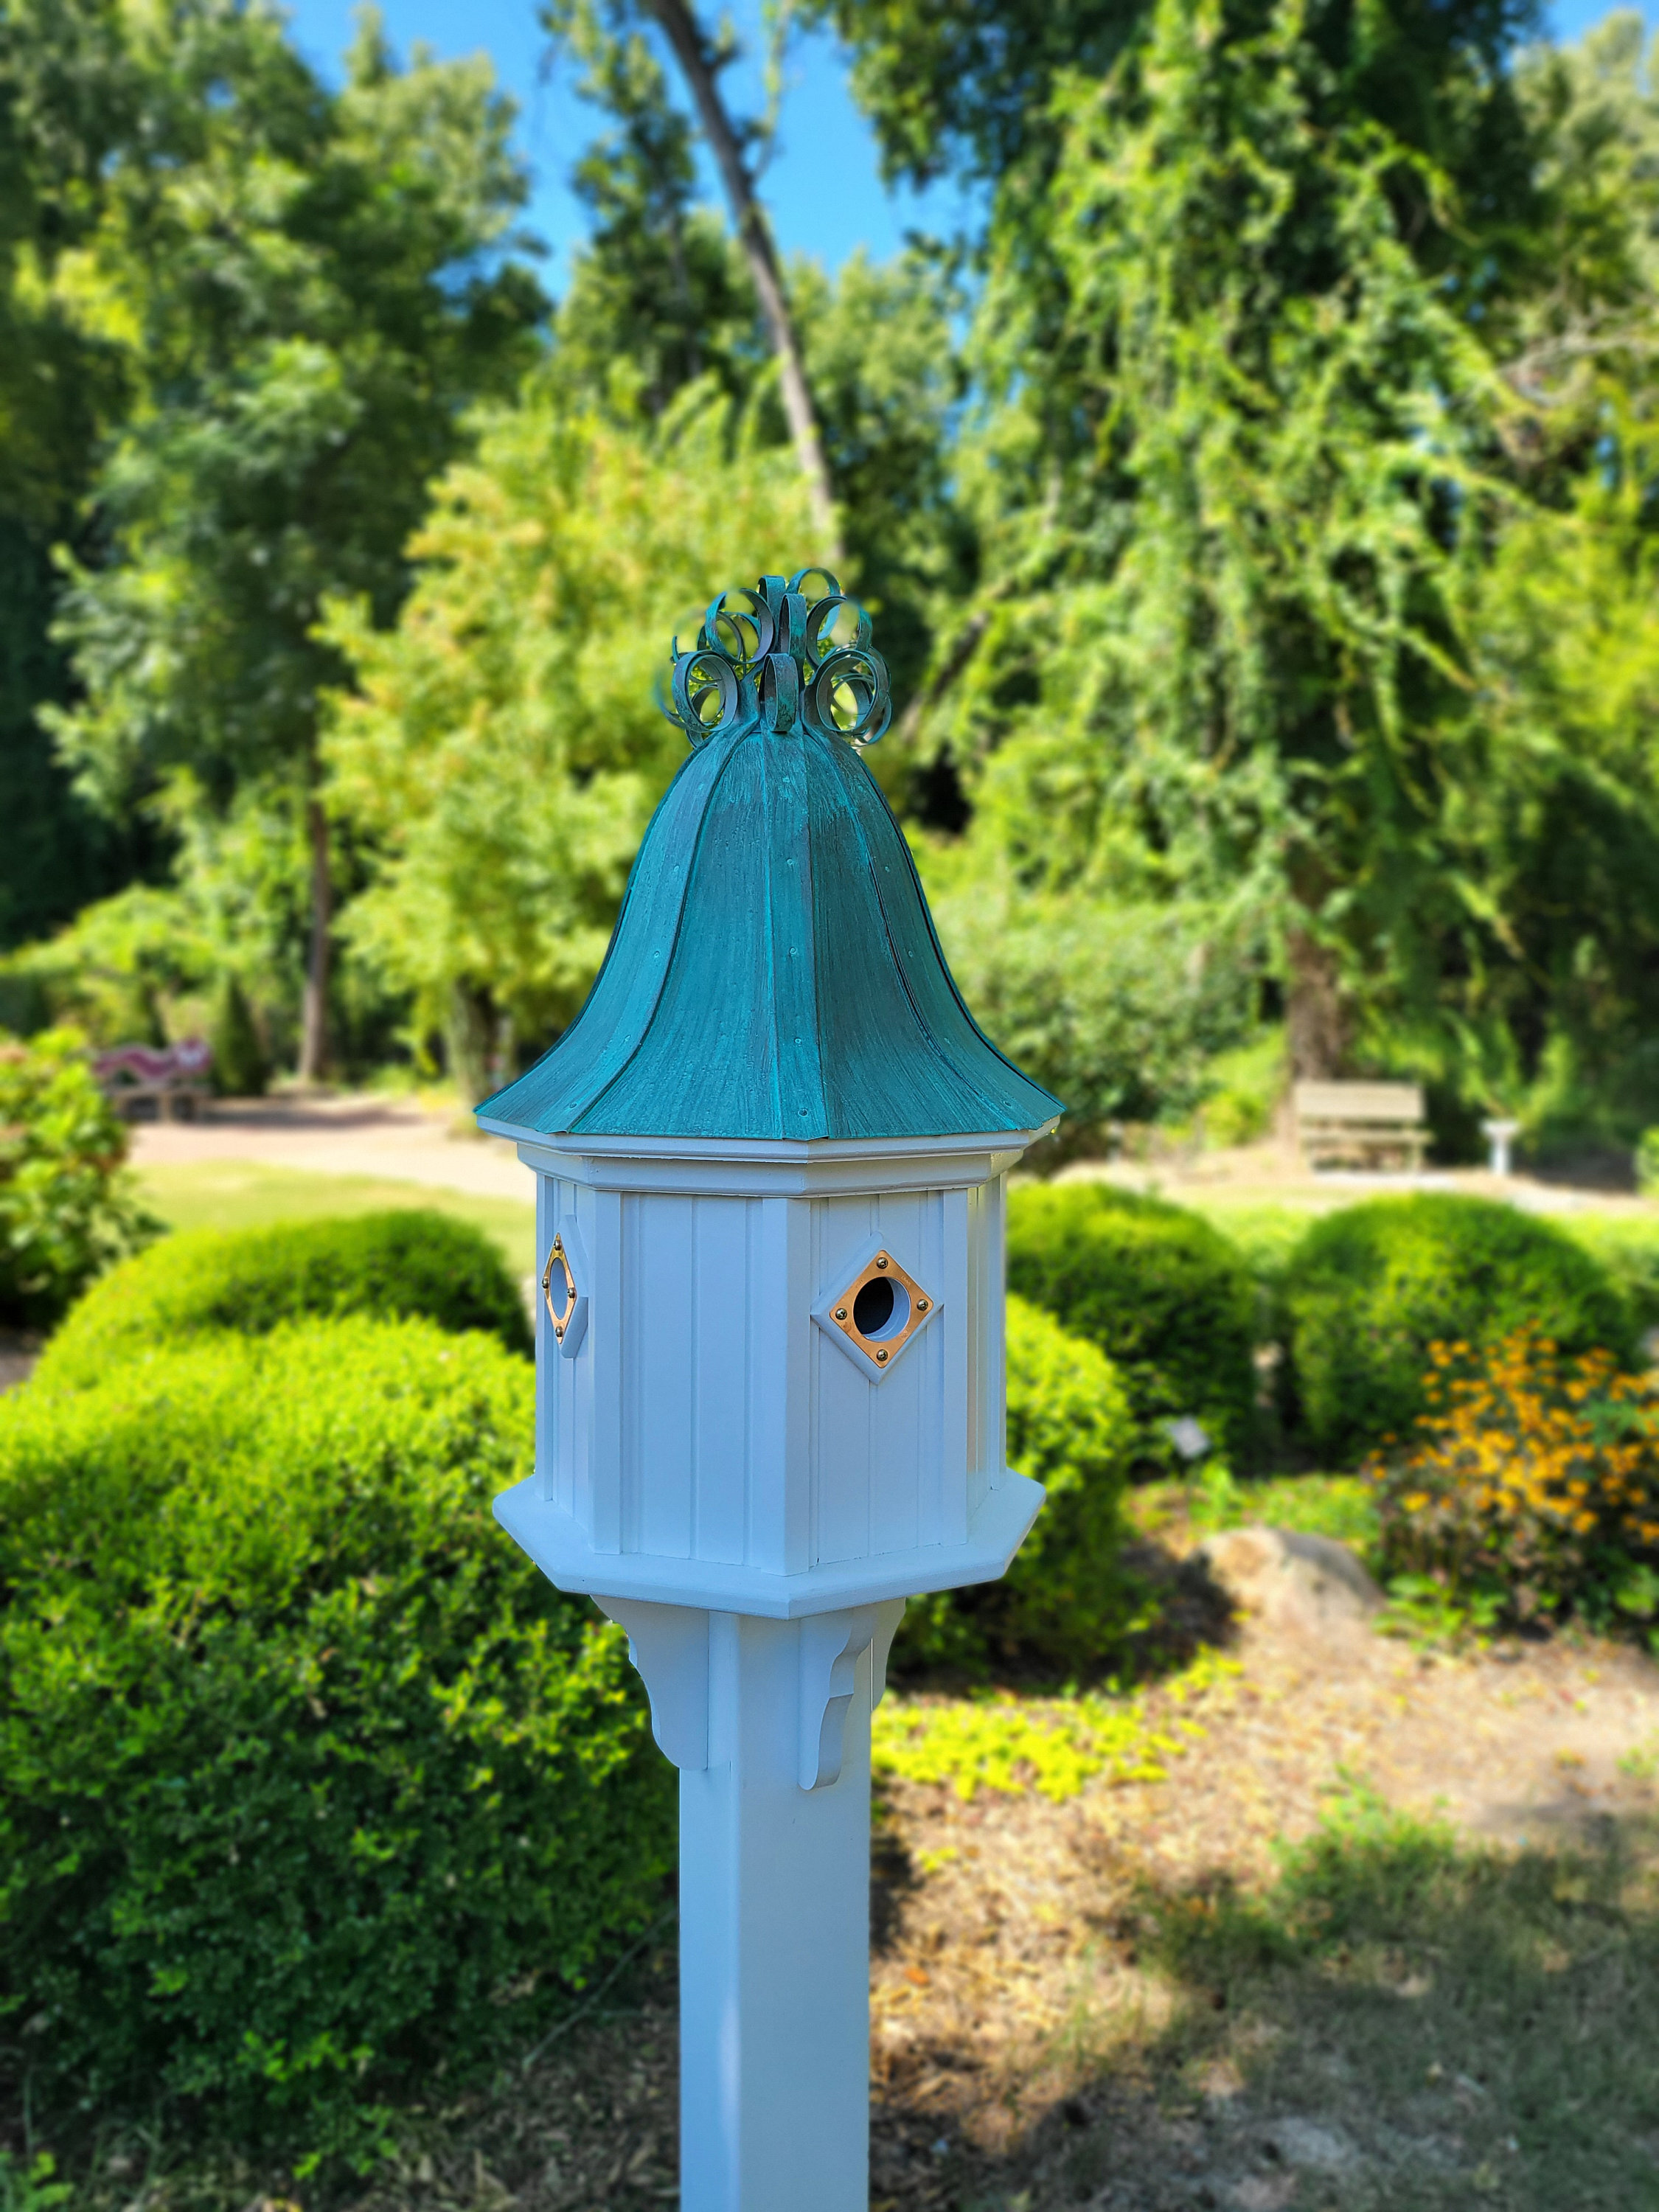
(771, 1157)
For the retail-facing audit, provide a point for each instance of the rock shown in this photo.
(1293, 1584)
(1306, 2142)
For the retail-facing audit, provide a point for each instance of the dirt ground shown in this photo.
(356, 1133)
(1107, 2002)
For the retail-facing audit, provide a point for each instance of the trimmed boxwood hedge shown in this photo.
(1167, 1298)
(1065, 1596)
(405, 1262)
(310, 1783)
(1371, 1287)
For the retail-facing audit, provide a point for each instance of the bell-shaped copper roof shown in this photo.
(774, 972)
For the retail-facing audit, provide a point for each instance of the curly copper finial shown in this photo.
(776, 657)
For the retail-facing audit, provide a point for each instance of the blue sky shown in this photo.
(823, 188)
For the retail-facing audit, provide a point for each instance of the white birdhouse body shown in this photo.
(779, 1387)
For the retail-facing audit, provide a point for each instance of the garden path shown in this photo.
(396, 1139)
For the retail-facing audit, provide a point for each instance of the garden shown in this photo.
(1242, 458)
(339, 1857)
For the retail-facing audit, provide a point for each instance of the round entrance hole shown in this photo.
(881, 1309)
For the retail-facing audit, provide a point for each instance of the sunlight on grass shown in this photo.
(246, 1194)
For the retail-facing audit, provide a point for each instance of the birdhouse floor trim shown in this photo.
(555, 1542)
(752, 1169)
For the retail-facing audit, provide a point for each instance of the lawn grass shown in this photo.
(247, 1194)
(1444, 2025)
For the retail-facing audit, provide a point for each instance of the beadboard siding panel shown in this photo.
(888, 1454)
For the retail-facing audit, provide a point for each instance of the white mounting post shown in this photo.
(768, 1722)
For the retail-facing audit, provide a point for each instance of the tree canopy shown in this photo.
(1256, 506)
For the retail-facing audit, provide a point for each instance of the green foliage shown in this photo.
(1243, 1090)
(128, 969)
(240, 1069)
(1340, 1506)
(659, 296)
(68, 1208)
(30, 2184)
(1117, 1010)
(1235, 670)
(1627, 1246)
(504, 748)
(1371, 1287)
(970, 86)
(1164, 1295)
(1647, 1163)
(303, 290)
(1066, 1597)
(311, 1786)
(407, 1262)
(1051, 1745)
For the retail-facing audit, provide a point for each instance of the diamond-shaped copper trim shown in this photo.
(559, 1314)
(882, 1351)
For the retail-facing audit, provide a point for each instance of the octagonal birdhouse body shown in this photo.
(771, 1155)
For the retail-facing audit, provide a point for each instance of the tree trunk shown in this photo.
(684, 34)
(1316, 1013)
(314, 1035)
(471, 1041)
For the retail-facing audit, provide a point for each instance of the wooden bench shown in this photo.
(174, 1076)
(1359, 1121)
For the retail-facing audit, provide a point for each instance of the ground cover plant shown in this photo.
(312, 1790)
(67, 1206)
(407, 1261)
(1163, 1294)
(1371, 1287)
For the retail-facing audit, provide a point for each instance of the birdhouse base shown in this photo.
(556, 1542)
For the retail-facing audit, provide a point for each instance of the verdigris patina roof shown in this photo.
(774, 972)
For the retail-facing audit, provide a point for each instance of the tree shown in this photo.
(659, 296)
(601, 33)
(500, 750)
(299, 284)
(1239, 452)
(64, 98)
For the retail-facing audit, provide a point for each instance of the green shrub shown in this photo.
(67, 1209)
(1371, 1287)
(241, 1068)
(310, 1783)
(1166, 1297)
(1245, 1086)
(1627, 1246)
(1647, 1163)
(1118, 1009)
(399, 1263)
(1065, 1597)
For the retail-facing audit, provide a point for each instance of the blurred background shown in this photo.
(1238, 421)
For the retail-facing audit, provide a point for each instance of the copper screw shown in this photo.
(841, 1313)
(881, 1259)
(881, 1359)
(921, 1305)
